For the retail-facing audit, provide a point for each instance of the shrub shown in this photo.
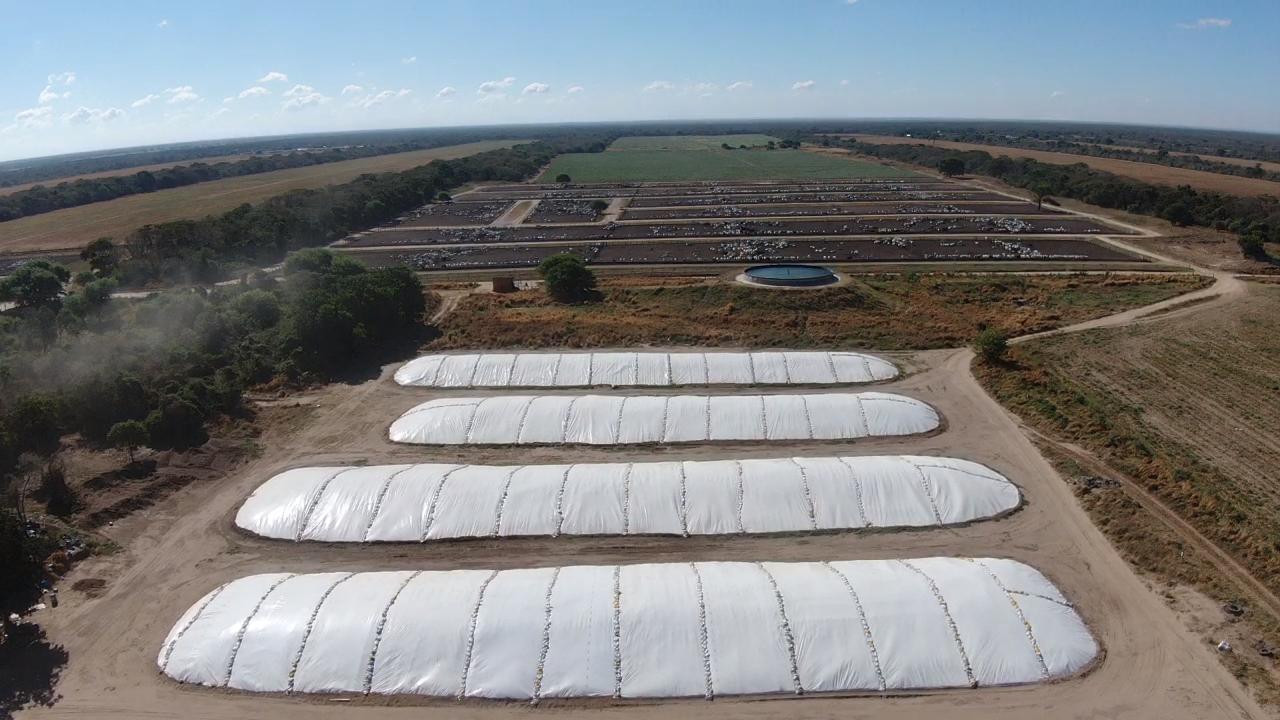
(129, 435)
(564, 178)
(951, 166)
(567, 278)
(991, 345)
(176, 424)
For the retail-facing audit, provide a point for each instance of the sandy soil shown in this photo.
(1153, 667)
(1147, 172)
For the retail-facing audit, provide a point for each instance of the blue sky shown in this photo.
(87, 75)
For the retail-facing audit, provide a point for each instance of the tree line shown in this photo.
(211, 248)
(1254, 220)
(84, 191)
(159, 372)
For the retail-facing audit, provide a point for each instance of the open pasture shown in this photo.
(702, 158)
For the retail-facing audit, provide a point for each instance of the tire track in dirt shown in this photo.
(1225, 288)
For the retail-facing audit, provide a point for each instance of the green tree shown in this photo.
(599, 205)
(176, 424)
(1180, 214)
(567, 278)
(320, 260)
(128, 435)
(951, 166)
(564, 178)
(35, 284)
(102, 255)
(991, 345)
(1040, 191)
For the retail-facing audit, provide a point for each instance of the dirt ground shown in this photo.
(1153, 665)
(1147, 172)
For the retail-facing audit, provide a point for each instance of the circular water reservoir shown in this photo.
(791, 275)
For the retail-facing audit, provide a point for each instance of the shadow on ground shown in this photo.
(29, 669)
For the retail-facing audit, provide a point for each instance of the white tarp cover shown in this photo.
(658, 630)
(625, 419)
(411, 503)
(643, 369)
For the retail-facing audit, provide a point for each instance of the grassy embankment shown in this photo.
(887, 312)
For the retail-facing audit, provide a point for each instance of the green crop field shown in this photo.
(701, 157)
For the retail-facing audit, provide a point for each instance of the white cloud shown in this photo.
(850, 2)
(844, 82)
(36, 117)
(140, 102)
(274, 76)
(704, 89)
(446, 91)
(1207, 23)
(181, 94)
(255, 91)
(48, 95)
(164, 23)
(536, 88)
(803, 85)
(219, 113)
(489, 87)
(62, 78)
(658, 85)
(302, 96)
(1057, 94)
(739, 85)
(351, 89)
(382, 97)
(574, 89)
(84, 115)
(409, 60)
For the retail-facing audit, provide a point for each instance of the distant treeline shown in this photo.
(34, 170)
(1256, 220)
(205, 250)
(1107, 149)
(1198, 141)
(43, 199)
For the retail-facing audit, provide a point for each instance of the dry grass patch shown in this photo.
(1188, 407)
(887, 312)
(1172, 564)
(73, 228)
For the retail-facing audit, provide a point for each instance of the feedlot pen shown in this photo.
(863, 220)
